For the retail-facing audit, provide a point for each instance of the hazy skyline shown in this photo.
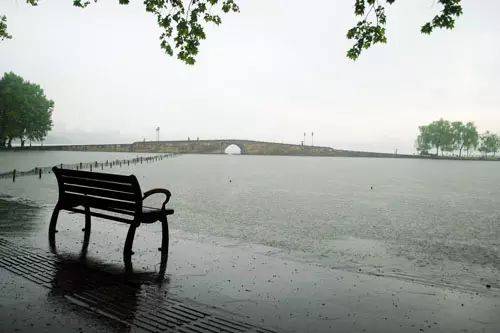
(272, 72)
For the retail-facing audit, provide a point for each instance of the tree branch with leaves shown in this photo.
(370, 29)
(183, 22)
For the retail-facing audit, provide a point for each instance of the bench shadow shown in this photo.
(128, 269)
(105, 288)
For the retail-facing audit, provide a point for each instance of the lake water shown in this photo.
(437, 222)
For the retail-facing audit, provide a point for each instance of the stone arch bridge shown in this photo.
(247, 147)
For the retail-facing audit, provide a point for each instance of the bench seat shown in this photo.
(151, 215)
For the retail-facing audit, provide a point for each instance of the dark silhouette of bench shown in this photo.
(112, 197)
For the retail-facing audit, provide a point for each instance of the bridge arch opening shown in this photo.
(233, 150)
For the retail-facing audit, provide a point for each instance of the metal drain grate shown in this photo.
(113, 297)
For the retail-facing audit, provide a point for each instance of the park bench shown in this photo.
(111, 197)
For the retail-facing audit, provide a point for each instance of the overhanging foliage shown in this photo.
(183, 22)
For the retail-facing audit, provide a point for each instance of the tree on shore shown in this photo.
(455, 137)
(464, 136)
(458, 133)
(490, 143)
(423, 142)
(183, 22)
(440, 135)
(470, 137)
(25, 111)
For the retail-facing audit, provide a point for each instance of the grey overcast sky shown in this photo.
(272, 72)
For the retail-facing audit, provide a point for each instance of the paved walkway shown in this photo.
(74, 289)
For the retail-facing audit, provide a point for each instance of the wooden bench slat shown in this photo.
(99, 192)
(110, 177)
(101, 215)
(113, 210)
(74, 200)
(127, 188)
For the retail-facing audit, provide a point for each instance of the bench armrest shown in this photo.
(156, 191)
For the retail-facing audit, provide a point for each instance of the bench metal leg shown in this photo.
(86, 235)
(164, 247)
(127, 251)
(52, 227)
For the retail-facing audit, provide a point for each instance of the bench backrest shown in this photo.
(107, 193)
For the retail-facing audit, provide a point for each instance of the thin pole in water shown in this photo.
(14, 175)
(40, 173)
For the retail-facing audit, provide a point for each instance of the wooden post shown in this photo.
(40, 173)
(102, 166)
(81, 165)
(14, 175)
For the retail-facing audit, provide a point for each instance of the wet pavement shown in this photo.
(116, 296)
(251, 283)
(29, 307)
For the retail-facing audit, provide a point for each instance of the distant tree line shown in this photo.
(455, 137)
(25, 111)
